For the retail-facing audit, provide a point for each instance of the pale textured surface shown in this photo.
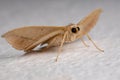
(76, 62)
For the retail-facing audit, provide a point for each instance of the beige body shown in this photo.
(27, 38)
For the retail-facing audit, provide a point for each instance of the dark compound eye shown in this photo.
(74, 30)
(78, 28)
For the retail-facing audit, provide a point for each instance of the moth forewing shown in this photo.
(44, 38)
(24, 38)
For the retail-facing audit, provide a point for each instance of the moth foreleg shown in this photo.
(94, 43)
(62, 42)
(84, 42)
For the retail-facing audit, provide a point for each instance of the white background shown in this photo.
(76, 62)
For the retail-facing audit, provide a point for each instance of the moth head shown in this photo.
(77, 31)
(74, 31)
(73, 28)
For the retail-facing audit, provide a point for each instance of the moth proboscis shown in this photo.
(27, 38)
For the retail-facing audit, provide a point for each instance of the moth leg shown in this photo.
(84, 42)
(63, 40)
(94, 43)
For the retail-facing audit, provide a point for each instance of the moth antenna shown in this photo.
(63, 40)
(94, 43)
(70, 24)
(84, 42)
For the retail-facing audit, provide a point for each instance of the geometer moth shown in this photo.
(27, 38)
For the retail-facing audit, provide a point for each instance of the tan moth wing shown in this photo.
(90, 21)
(22, 38)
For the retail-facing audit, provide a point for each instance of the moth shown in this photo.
(27, 38)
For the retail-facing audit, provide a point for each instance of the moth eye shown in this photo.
(74, 30)
(78, 28)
